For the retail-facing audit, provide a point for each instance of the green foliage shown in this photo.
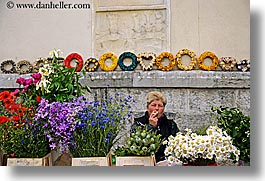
(237, 125)
(142, 142)
(64, 85)
(201, 130)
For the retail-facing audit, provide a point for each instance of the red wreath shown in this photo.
(72, 56)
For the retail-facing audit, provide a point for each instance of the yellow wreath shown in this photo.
(190, 53)
(210, 55)
(163, 55)
(103, 58)
(227, 63)
(147, 56)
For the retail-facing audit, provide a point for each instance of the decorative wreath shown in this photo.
(147, 56)
(71, 57)
(190, 53)
(127, 55)
(39, 63)
(104, 57)
(59, 60)
(89, 62)
(24, 67)
(243, 65)
(160, 58)
(5, 64)
(209, 55)
(227, 63)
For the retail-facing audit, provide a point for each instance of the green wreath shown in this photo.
(128, 55)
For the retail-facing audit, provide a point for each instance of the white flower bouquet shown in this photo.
(193, 149)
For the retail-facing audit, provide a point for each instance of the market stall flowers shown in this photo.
(200, 150)
(59, 121)
(21, 136)
(53, 82)
(98, 124)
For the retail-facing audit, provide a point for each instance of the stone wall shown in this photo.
(190, 93)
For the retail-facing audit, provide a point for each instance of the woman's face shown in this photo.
(156, 105)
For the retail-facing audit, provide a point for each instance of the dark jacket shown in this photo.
(165, 127)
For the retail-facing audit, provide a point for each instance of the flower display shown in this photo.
(193, 149)
(10, 110)
(40, 116)
(98, 124)
(59, 121)
(237, 125)
(21, 136)
(54, 82)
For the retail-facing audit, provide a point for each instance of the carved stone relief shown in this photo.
(136, 31)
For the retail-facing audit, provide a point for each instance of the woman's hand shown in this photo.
(153, 118)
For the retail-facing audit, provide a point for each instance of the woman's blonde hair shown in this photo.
(155, 95)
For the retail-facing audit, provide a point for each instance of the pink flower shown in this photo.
(25, 88)
(20, 81)
(35, 81)
(36, 76)
(16, 92)
(28, 82)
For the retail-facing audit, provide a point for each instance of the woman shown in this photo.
(156, 120)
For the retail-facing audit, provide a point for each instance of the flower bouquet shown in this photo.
(97, 127)
(200, 150)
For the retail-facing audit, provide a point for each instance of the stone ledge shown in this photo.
(154, 78)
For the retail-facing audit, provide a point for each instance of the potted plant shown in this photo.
(97, 127)
(139, 149)
(192, 149)
(237, 125)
